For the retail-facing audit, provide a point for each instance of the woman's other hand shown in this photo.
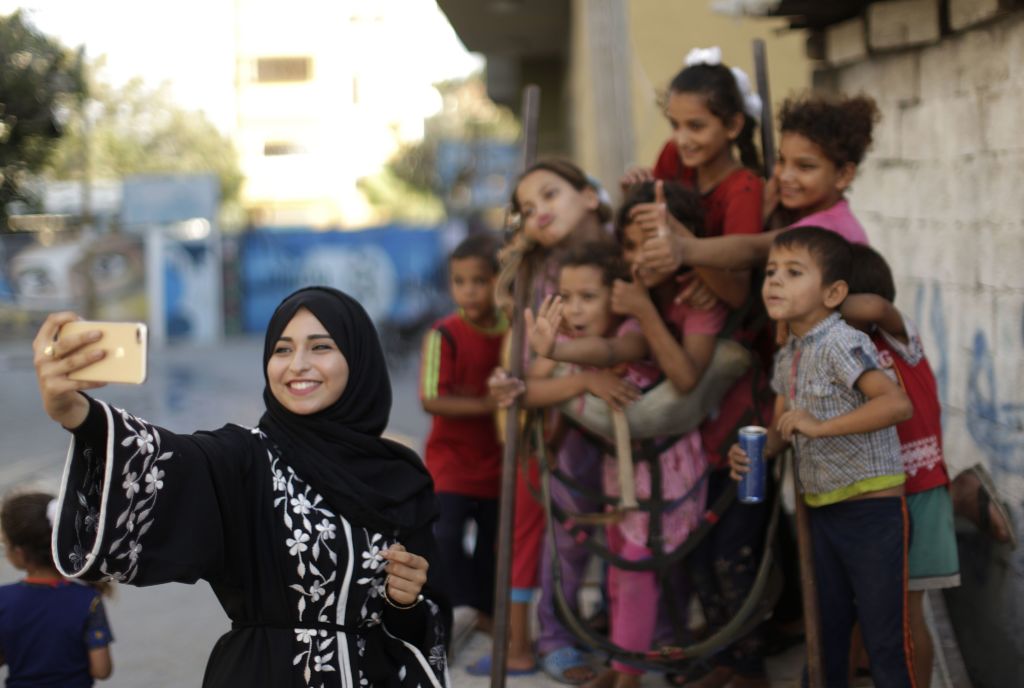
(407, 574)
(54, 360)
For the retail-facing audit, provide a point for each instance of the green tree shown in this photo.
(39, 79)
(138, 129)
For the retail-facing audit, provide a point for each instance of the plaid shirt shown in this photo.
(818, 372)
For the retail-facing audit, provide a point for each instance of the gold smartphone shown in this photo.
(125, 344)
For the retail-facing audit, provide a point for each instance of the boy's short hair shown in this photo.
(870, 274)
(606, 256)
(828, 249)
(480, 245)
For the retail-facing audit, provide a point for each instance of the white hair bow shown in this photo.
(51, 511)
(751, 101)
(709, 56)
(713, 56)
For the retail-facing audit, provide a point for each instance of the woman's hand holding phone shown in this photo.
(73, 355)
(55, 360)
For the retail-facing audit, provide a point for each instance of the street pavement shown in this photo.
(164, 634)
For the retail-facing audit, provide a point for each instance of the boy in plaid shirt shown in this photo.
(839, 409)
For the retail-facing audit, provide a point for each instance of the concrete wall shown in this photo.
(942, 197)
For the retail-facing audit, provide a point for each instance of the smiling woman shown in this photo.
(313, 530)
(306, 372)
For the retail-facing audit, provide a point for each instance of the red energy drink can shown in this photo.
(752, 439)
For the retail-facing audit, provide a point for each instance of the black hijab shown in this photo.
(371, 481)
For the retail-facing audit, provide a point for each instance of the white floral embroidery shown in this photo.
(141, 465)
(306, 544)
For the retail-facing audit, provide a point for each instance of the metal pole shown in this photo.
(506, 513)
(767, 124)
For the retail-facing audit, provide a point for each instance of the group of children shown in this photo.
(616, 310)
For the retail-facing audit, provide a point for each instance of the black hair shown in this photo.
(870, 274)
(482, 245)
(829, 250)
(841, 127)
(606, 256)
(683, 203)
(572, 174)
(25, 525)
(723, 98)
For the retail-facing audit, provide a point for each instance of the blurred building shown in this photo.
(601, 65)
(323, 99)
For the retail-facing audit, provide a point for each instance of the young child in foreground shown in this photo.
(53, 632)
(933, 561)
(838, 409)
(463, 454)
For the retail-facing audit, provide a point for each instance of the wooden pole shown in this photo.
(808, 588)
(507, 501)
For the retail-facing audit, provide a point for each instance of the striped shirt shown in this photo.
(818, 373)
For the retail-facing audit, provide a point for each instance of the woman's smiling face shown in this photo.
(306, 370)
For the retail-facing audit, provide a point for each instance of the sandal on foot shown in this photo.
(557, 662)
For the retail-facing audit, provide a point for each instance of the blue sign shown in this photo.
(397, 273)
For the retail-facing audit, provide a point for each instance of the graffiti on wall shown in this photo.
(994, 412)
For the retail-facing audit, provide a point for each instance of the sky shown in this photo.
(191, 43)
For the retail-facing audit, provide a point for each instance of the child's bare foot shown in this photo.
(520, 662)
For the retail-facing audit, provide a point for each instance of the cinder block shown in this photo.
(902, 23)
(966, 13)
(846, 42)
(918, 131)
(1007, 258)
(982, 59)
(893, 78)
(999, 199)
(938, 70)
